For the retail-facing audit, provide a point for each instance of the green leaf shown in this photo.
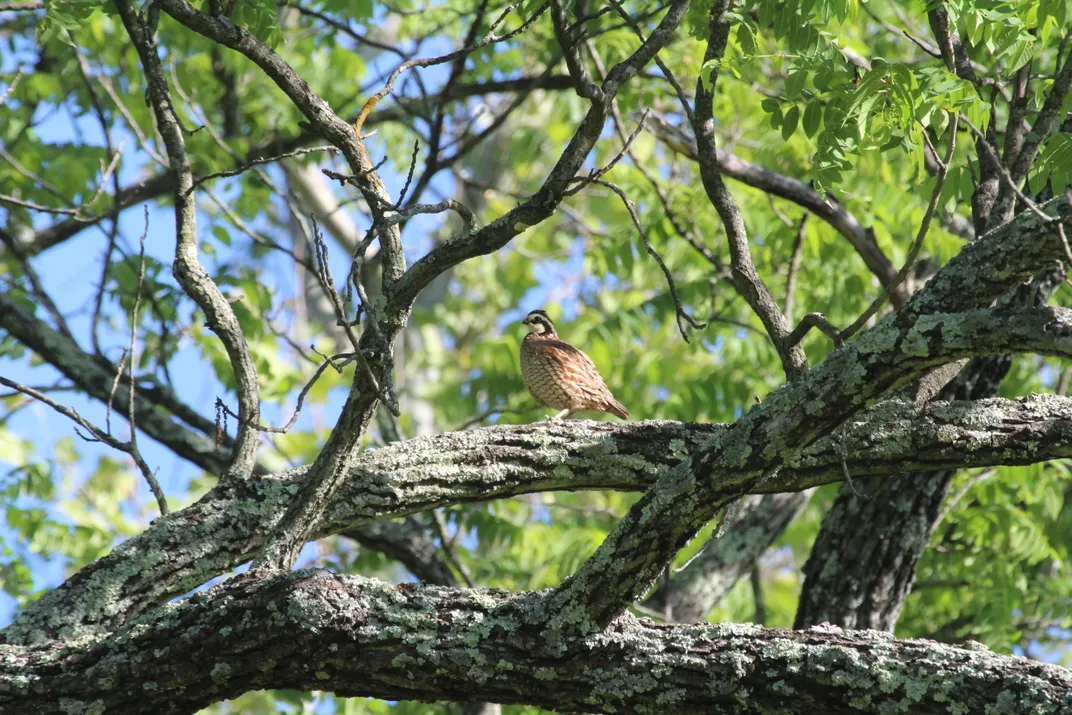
(813, 115)
(222, 234)
(746, 38)
(794, 83)
(789, 124)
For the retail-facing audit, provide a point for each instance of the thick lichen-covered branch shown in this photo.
(902, 348)
(227, 526)
(891, 520)
(311, 630)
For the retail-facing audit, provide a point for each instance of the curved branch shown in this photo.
(790, 189)
(159, 184)
(94, 375)
(310, 630)
(229, 524)
(689, 596)
(541, 205)
(188, 271)
(743, 272)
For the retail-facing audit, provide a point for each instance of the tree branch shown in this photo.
(775, 184)
(94, 376)
(235, 518)
(502, 462)
(690, 595)
(743, 272)
(502, 230)
(408, 543)
(162, 183)
(921, 235)
(311, 630)
(891, 520)
(188, 271)
(98, 435)
(333, 462)
(1048, 118)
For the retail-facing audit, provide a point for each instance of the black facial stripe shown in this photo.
(539, 318)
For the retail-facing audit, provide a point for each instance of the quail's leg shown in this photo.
(564, 413)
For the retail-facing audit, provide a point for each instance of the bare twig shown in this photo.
(681, 315)
(11, 87)
(951, 502)
(924, 227)
(74, 213)
(37, 288)
(627, 146)
(143, 140)
(488, 39)
(120, 368)
(343, 359)
(814, 320)
(687, 234)
(409, 174)
(354, 178)
(96, 434)
(925, 46)
(324, 277)
(449, 551)
(41, 388)
(113, 234)
(154, 485)
(794, 268)
(257, 162)
(34, 177)
(667, 73)
(345, 28)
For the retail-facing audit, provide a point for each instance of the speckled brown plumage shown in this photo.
(559, 375)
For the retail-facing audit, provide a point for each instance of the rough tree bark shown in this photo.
(186, 548)
(309, 629)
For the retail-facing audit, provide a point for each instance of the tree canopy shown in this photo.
(264, 437)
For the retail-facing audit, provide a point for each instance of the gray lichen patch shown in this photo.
(220, 673)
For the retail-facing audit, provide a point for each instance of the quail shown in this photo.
(559, 375)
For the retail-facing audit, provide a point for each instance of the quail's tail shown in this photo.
(616, 408)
